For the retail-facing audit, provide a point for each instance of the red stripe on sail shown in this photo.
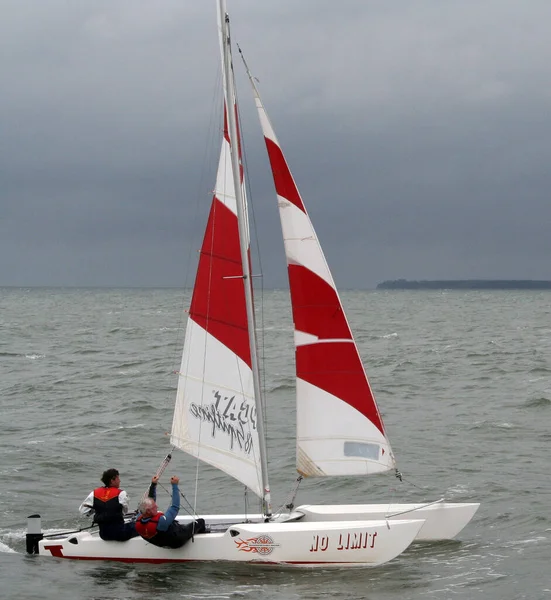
(284, 182)
(218, 302)
(316, 306)
(226, 126)
(335, 367)
(227, 137)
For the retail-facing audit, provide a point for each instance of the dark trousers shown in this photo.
(117, 532)
(177, 534)
(189, 530)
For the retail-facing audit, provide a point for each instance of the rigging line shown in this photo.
(263, 330)
(207, 152)
(249, 421)
(209, 285)
(54, 535)
(290, 504)
(391, 502)
(214, 200)
(213, 131)
(207, 159)
(260, 267)
(245, 184)
(199, 195)
(241, 148)
(411, 483)
(403, 512)
(246, 503)
(161, 469)
(191, 510)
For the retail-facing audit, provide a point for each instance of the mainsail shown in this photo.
(339, 428)
(215, 417)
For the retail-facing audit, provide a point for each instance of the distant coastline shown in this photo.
(465, 284)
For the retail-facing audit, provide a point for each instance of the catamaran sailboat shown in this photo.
(218, 415)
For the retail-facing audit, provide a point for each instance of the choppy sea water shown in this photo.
(463, 381)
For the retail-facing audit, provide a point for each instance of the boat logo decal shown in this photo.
(263, 545)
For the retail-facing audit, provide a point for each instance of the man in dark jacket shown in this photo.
(161, 529)
(109, 505)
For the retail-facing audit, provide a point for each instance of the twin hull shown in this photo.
(442, 520)
(339, 543)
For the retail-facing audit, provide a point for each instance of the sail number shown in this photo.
(228, 408)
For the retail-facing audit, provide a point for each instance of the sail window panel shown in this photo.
(324, 425)
(361, 449)
(329, 460)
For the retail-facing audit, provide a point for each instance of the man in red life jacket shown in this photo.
(109, 504)
(161, 529)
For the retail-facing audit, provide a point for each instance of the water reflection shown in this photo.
(223, 580)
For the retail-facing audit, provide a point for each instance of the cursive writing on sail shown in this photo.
(229, 417)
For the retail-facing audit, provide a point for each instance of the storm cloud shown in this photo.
(418, 132)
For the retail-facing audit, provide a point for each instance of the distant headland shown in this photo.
(466, 284)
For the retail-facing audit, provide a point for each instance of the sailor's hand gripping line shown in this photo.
(160, 471)
(155, 480)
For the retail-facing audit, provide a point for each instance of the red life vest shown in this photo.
(104, 494)
(148, 529)
(107, 507)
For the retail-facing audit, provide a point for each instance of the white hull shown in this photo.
(443, 520)
(305, 544)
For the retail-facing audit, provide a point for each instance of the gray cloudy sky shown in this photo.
(418, 131)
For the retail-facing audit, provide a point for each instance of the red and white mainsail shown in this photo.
(215, 414)
(339, 428)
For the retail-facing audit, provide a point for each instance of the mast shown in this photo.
(243, 242)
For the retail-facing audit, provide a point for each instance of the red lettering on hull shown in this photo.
(356, 541)
(321, 543)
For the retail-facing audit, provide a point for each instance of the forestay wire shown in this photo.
(290, 503)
